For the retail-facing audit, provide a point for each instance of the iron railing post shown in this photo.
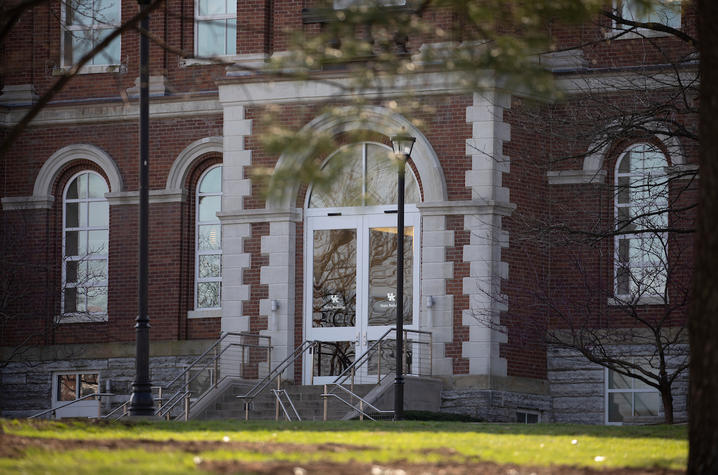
(276, 403)
(216, 367)
(326, 403)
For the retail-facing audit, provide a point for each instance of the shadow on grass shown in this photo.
(677, 432)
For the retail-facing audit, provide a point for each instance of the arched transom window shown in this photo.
(208, 240)
(641, 222)
(368, 178)
(86, 220)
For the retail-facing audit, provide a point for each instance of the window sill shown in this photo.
(643, 300)
(248, 60)
(207, 313)
(80, 318)
(638, 33)
(92, 69)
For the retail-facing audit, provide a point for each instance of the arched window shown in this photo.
(641, 221)
(85, 245)
(208, 240)
(367, 179)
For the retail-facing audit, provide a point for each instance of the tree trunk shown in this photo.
(667, 399)
(703, 320)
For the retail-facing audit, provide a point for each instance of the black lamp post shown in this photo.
(402, 145)
(141, 402)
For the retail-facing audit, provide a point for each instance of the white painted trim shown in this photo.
(177, 177)
(387, 123)
(50, 170)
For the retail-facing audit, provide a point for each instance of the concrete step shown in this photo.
(306, 399)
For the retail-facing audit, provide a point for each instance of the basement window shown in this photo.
(528, 417)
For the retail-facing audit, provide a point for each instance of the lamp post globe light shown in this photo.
(402, 145)
(141, 402)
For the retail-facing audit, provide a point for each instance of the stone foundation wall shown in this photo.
(578, 389)
(494, 405)
(26, 386)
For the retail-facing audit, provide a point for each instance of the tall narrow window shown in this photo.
(641, 222)
(216, 27)
(85, 246)
(208, 239)
(87, 23)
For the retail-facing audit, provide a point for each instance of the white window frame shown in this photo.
(526, 413)
(632, 390)
(643, 296)
(75, 317)
(89, 407)
(410, 178)
(201, 311)
(95, 25)
(223, 17)
(622, 9)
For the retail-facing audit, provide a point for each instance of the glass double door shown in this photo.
(350, 296)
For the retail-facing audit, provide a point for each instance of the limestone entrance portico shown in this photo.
(285, 260)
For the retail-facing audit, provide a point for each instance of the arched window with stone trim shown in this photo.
(208, 240)
(85, 247)
(641, 213)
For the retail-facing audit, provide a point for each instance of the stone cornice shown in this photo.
(264, 215)
(445, 208)
(78, 113)
(27, 202)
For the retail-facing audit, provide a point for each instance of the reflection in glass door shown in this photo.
(334, 292)
(351, 302)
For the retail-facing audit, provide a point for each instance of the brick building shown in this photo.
(512, 206)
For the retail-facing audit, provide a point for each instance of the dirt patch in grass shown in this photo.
(473, 468)
(14, 446)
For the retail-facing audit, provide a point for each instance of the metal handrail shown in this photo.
(70, 403)
(183, 393)
(278, 394)
(224, 335)
(124, 405)
(362, 402)
(276, 372)
(365, 356)
(170, 403)
(351, 370)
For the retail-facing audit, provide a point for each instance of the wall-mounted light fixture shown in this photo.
(275, 305)
(429, 301)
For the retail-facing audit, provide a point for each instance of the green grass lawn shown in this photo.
(178, 447)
